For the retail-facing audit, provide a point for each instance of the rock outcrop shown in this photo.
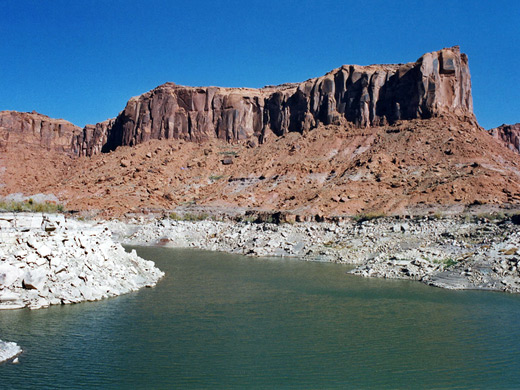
(452, 253)
(508, 135)
(8, 351)
(48, 260)
(92, 139)
(437, 83)
(34, 129)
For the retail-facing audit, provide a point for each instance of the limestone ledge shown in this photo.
(49, 260)
(451, 253)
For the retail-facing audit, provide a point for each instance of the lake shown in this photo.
(225, 321)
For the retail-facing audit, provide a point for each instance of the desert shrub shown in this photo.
(31, 206)
(369, 216)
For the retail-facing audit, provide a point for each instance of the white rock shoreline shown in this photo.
(51, 259)
(453, 253)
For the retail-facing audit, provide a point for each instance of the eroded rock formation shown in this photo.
(360, 96)
(437, 83)
(34, 129)
(92, 138)
(509, 135)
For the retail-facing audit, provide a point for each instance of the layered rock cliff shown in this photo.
(437, 83)
(34, 129)
(352, 95)
(508, 135)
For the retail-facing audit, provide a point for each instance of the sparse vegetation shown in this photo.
(189, 217)
(496, 217)
(174, 216)
(195, 217)
(369, 216)
(216, 177)
(31, 206)
(246, 218)
(448, 262)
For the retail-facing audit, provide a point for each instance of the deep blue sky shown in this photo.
(82, 60)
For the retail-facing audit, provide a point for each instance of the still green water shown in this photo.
(223, 321)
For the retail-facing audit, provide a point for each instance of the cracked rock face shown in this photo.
(362, 96)
(508, 135)
(38, 130)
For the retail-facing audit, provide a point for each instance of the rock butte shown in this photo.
(438, 82)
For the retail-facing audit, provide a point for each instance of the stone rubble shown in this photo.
(454, 253)
(8, 351)
(49, 260)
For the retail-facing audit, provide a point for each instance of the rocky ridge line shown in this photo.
(352, 95)
(37, 130)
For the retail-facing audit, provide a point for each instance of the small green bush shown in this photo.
(31, 206)
(195, 217)
(174, 216)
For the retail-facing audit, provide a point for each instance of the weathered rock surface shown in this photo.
(437, 83)
(92, 138)
(33, 129)
(360, 96)
(8, 351)
(451, 253)
(508, 135)
(51, 260)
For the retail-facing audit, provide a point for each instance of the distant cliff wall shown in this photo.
(362, 96)
(508, 135)
(436, 83)
(33, 129)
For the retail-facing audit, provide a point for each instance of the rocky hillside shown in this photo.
(508, 135)
(380, 138)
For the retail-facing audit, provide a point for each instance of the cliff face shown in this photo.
(357, 96)
(92, 139)
(33, 129)
(363, 96)
(508, 135)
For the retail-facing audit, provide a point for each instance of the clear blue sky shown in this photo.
(82, 60)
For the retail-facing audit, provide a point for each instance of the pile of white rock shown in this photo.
(49, 259)
(8, 351)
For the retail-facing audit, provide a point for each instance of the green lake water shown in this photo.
(224, 321)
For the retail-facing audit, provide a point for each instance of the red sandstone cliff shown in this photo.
(358, 96)
(37, 130)
(363, 96)
(508, 135)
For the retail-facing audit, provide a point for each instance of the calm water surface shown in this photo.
(223, 321)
